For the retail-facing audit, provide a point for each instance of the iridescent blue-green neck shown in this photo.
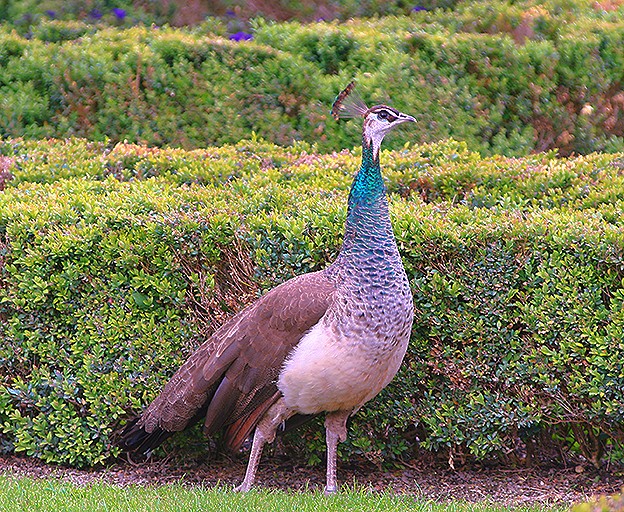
(368, 227)
(368, 184)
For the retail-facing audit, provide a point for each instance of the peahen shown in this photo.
(323, 342)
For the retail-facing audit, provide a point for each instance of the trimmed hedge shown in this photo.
(117, 260)
(26, 13)
(507, 79)
(151, 85)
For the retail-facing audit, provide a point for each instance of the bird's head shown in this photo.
(378, 120)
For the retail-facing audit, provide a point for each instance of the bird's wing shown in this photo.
(232, 376)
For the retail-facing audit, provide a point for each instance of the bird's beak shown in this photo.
(404, 118)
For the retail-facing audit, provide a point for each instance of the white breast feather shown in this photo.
(327, 373)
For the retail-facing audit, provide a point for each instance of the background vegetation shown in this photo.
(123, 248)
(118, 260)
(507, 78)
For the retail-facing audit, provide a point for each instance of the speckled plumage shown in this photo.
(361, 339)
(327, 341)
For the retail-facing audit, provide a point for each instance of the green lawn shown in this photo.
(27, 494)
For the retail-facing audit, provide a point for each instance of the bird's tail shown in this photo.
(134, 438)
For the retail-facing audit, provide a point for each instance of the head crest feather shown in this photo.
(348, 104)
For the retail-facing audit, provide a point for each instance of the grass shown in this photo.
(28, 494)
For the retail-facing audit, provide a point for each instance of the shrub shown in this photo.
(507, 79)
(55, 31)
(116, 261)
(603, 504)
(25, 13)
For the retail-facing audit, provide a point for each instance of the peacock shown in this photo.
(322, 342)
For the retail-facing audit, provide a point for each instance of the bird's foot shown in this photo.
(330, 490)
(244, 487)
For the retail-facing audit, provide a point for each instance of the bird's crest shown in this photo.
(348, 104)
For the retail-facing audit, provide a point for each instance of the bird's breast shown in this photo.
(331, 371)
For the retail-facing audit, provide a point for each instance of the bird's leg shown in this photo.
(335, 432)
(254, 459)
(265, 433)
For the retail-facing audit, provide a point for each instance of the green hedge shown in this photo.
(117, 260)
(507, 79)
(26, 13)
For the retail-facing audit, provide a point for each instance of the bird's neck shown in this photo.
(368, 184)
(368, 221)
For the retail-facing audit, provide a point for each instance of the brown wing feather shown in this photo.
(232, 376)
(236, 433)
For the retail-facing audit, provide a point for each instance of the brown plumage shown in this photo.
(230, 380)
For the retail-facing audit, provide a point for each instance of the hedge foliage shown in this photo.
(27, 13)
(116, 260)
(603, 503)
(506, 78)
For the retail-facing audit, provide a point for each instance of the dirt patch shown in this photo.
(554, 485)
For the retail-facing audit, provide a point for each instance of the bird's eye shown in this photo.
(382, 114)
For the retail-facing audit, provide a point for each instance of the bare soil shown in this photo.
(435, 481)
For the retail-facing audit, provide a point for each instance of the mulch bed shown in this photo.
(431, 480)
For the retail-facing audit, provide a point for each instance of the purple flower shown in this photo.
(230, 13)
(119, 13)
(96, 14)
(241, 36)
(419, 8)
(51, 14)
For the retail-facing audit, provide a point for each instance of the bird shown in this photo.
(324, 342)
